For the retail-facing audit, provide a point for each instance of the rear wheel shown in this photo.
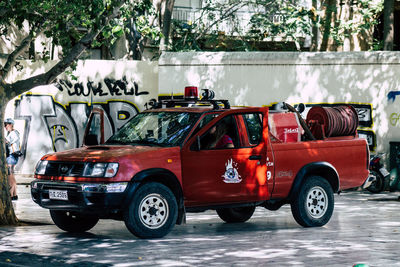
(73, 222)
(236, 215)
(152, 212)
(313, 204)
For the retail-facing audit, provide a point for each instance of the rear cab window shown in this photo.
(253, 123)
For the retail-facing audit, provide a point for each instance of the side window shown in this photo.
(204, 121)
(254, 127)
(223, 135)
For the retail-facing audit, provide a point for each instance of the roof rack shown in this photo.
(171, 103)
(189, 101)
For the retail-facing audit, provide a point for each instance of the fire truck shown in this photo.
(164, 162)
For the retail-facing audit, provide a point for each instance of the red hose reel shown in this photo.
(332, 121)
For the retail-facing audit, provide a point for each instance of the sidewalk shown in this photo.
(25, 209)
(24, 179)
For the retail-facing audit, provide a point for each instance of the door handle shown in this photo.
(255, 157)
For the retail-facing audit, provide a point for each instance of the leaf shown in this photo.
(117, 29)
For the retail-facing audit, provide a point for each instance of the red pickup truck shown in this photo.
(166, 161)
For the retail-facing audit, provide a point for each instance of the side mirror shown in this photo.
(94, 132)
(91, 140)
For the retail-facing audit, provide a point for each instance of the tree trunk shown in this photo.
(315, 37)
(345, 17)
(133, 37)
(329, 12)
(7, 215)
(166, 16)
(9, 91)
(388, 26)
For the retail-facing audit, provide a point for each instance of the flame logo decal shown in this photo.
(231, 174)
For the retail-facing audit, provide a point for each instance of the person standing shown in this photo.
(12, 153)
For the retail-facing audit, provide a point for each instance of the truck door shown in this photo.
(215, 175)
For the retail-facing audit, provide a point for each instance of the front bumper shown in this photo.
(102, 199)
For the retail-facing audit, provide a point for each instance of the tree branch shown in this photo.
(22, 86)
(12, 58)
(229, 11)
(166, 16)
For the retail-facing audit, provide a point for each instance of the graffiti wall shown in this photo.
(53, 118)
(369, 81)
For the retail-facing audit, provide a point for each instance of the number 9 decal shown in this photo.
(269, 175)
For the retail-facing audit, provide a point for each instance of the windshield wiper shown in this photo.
(115, 142)
(147, 142)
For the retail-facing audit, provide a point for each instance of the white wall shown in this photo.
(52, 118)
(368, 79)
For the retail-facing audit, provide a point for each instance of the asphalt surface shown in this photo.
(364, 229)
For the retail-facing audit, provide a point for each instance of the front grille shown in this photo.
(77, 169)
(55, 168)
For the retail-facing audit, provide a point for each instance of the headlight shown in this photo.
(100, 170)
(41, 167)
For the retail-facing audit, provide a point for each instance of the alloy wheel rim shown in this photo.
(317, 202)
(153, 211)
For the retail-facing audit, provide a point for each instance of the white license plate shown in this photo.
(384, 172)
(58, 194)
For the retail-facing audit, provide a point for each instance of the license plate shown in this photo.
(58, 194)
(384, 172)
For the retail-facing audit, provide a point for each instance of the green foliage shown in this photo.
(281, 18)
(270, 18)
(184, 36)
(66, 22)
(140, 12)
(363, 21)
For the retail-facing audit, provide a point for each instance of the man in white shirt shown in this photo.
(13, 152)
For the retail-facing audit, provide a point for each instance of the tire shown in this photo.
(236, 215)
(313, 204)
(73, 222)
(152, 212)
(378, 185)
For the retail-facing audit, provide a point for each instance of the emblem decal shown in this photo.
(64, 169)
(231, 174)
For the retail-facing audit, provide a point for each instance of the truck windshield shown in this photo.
(156, 128)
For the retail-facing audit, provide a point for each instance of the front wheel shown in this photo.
(313, 204)
(73, 222)
(236, 215)
(152, 212)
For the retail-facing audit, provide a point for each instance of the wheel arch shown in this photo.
(323, 169)
(162, 176)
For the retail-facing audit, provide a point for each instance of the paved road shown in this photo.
(365, 229)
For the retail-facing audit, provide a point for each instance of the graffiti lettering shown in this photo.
(392, 96)
(364, 114)
(96, 90)
(369, 135)
(51, 127)
(394, 119)
(115, 88)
